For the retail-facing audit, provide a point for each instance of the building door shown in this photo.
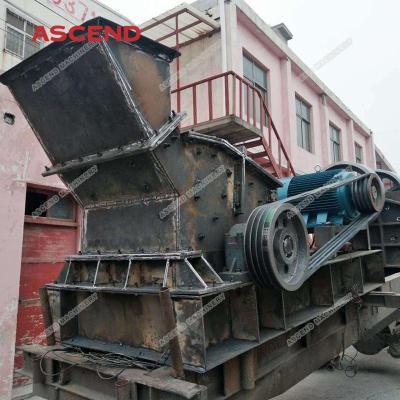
(50, 234)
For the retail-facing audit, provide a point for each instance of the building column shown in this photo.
(370, 151)
(228, 20)
(351, 156)
(288, 106)
(325, 152)
(222, 17)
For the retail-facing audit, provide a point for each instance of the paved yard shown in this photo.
(378, 378)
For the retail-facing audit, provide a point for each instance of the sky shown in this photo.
(365, 76)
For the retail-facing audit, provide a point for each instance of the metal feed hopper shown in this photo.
(194, 263)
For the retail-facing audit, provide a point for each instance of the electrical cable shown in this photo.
(100, 360)
(347, 363)
(57, 373)
(351, 369)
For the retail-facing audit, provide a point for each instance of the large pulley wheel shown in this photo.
(369, 194)
(390, 176)
(276, 246)
(349, 166)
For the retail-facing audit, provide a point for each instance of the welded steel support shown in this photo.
(167, 310)
(383, 299)
(47, 318)
(248, 370)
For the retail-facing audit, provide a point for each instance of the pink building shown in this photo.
(32, 249)
(237, 78)
(228, 51)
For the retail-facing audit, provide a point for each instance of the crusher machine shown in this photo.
(202, 275)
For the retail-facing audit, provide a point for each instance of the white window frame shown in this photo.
(263, 90)
(357, 145)
(24, 33)
(335, 142)
(304, 121)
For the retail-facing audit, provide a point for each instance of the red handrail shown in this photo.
(282, 153)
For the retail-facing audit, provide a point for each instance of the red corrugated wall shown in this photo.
(45, 246)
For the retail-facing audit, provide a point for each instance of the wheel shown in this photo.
(393, 178)
(374, 344)
(350, 166)
(369, 194)
(276, 246)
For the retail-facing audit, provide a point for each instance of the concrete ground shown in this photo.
(377, 378)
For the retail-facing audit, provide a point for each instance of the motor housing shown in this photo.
(337, 206)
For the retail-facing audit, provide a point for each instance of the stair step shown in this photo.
(263, 162)
(259, 154)
(250, 144)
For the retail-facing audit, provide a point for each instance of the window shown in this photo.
(359, 153)
(19, 34)
(46, 203)
(303, 117)
(9, 118)
(335, 143)
(256, 76)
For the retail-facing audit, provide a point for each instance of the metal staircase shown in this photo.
(242, 118)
